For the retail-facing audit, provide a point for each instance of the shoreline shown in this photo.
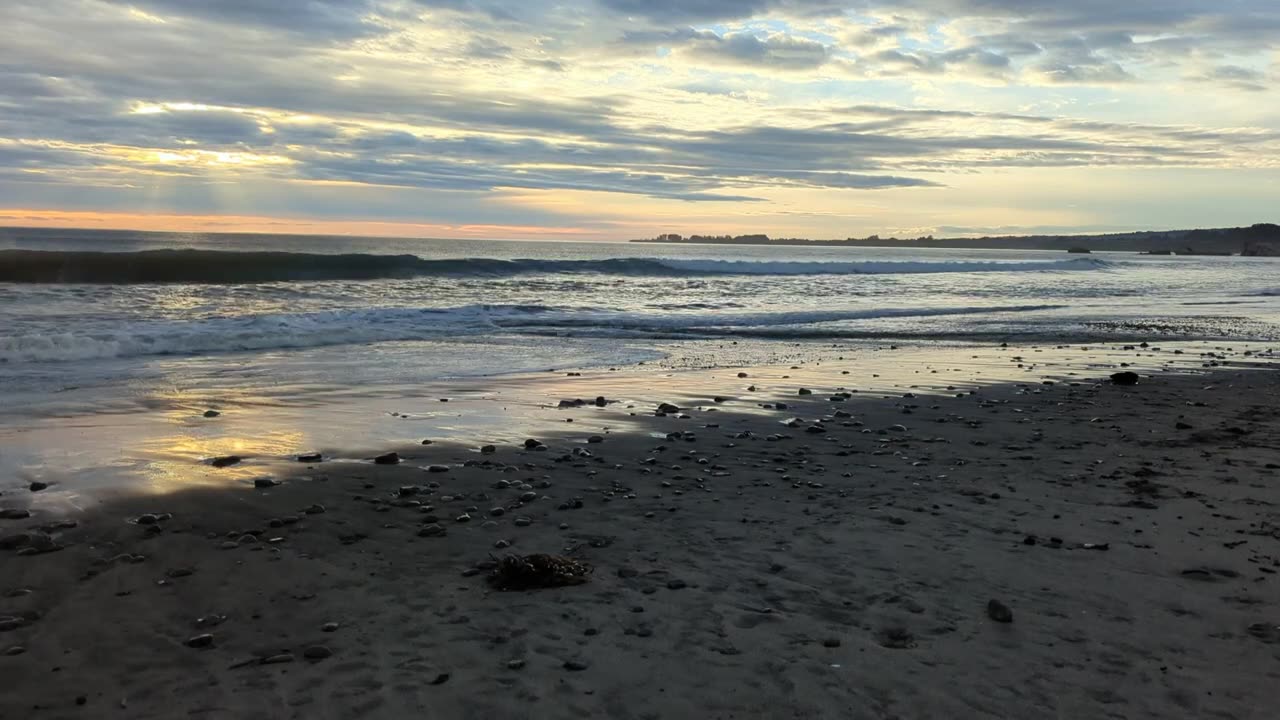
(841, 568)
(163, 440)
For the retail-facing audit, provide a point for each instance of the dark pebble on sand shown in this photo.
(310, 458)
(438, 468)
(211, 413)
(263, 483)
(677, 584)
(225, 461)
(999, 612)
(433, 530)
(387, 459)
(440, 679)
(200, 641)
(831, 642)
(576, 665)
(1125, 378)
(37, 486)
(317, 652)
(14, 514)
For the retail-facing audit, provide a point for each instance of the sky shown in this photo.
(617, 119)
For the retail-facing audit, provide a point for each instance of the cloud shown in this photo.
(710, 102)
(1234, 76)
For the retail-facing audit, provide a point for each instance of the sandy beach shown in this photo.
(1067, 548)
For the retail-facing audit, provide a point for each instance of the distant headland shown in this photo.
(1262, 239)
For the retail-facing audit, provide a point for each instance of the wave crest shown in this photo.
(227, 267)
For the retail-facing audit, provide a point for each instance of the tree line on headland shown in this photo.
(1262, 239)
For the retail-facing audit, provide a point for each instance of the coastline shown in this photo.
(839, 571)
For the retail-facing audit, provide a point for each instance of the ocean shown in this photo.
(101, 351)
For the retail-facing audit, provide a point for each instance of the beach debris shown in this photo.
(999, 612)
(532, 572)
(1125, 378)
(225, 461)
(387, 459)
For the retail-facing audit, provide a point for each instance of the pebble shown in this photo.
(311, 458)
(438, 468)
(595, 439)
(277, 659)
(831, 642)
(211, 413)
(15, 650)
(225, 461)
(14, 514)
(329, 627)
(433, 530)
(37, 486)
(387, 459)
(317, 652)
(515, 664)
(522, 522)
(265, 482)
(997, 611)
(200, 641)
(576, 665)
(497, 511)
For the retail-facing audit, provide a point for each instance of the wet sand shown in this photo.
(836, 557)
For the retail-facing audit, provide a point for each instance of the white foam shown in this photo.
(755, 267)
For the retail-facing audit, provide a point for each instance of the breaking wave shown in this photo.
(374, 325)
(225, 267)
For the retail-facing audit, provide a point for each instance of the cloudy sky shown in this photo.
(627, 118)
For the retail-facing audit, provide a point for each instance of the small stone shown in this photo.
(497, 511)
(211, 413)
(432, 530)
(15, 650)
(316, 509)
(14, 514)
(440, 679)
(317, 652)
(488, 449)
(200, 641)
(1125, 378)
(831, 642)
(522, 522)
(595, 439)
(805, 391)
(277, 659)
(997, 611)
(265, 482)
(387, 459)
(515, 664)
(147, 519)
(576, 665)
(668, 409)
(464, 518)
(311, 458)
(438, 468)
(677, 584)
(37, 486)
(531, 444)
(225, 461)
(329, 627)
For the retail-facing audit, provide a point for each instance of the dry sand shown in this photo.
(840, 566)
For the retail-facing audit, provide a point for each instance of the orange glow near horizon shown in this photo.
(173, 222)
